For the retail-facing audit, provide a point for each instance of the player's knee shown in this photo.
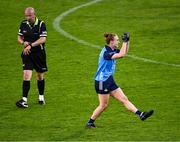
(104, 106)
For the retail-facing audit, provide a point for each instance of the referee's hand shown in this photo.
(25, 44)
(27, 50)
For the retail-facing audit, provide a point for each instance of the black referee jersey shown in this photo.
(32, 32)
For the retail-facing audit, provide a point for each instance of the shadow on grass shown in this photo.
(8, 111)
(76, 135)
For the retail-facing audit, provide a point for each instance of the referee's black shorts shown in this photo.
(105, 87)
(35, 60)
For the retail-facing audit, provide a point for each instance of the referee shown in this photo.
(32, 36)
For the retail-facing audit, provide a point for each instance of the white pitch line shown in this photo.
(58, 28)
(58, 19)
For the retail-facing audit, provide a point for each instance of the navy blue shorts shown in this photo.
(105, 87)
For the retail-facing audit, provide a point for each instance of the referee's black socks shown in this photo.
(41, 84)
(25, 88)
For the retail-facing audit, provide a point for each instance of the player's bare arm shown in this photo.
(123, 51)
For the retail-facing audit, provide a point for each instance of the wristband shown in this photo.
(30, 45)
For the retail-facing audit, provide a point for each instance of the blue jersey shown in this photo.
(106, 65)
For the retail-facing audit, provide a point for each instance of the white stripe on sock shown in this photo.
(41, 97)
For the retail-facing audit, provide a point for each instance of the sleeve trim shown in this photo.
(20, 34)
(43, 35)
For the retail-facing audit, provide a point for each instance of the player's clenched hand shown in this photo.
(125, 37)
(27, 50)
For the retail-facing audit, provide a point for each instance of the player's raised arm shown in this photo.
(124, 48)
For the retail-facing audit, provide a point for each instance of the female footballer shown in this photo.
(104, 82)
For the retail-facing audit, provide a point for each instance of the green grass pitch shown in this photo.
(70, 95)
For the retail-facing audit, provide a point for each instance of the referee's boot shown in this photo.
(90, 125)
(21, 104)
(41, 100)
(145, 115)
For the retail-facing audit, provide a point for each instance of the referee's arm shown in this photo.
(20, 39)
(41, 40)
(43, 35)
(36, 43)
